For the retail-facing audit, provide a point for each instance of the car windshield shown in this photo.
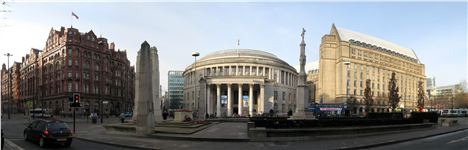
(57, 125)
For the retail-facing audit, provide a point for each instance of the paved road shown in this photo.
(452, 141)
(76, 144)
(14, 132)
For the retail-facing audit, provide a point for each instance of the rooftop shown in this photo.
(347, 35)
(238, 53)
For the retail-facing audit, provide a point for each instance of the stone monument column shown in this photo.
(155, 84)
(302, 91)
(144, 96)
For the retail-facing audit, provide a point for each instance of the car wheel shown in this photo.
(42, 142)
(25, 136)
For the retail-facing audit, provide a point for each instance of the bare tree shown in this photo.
(393, 96)
(368, 96)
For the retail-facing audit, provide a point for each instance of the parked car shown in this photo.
(128, 114)
(47, 132)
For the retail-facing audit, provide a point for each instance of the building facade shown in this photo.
(443, 97)
(11, 90)
(349, 58)
(175, 89)
(76, 62)
(239, 82)
(30, 79)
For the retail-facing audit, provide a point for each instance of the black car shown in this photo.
(49, 131)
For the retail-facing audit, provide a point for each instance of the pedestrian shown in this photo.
(165, 114)
(3, 140)
(271, 112)
(122, 117)
(290, 113)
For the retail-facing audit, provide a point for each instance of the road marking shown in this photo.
(13, 145)
(458, 140)
(444, 135)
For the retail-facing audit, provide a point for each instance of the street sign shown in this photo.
(105, 102)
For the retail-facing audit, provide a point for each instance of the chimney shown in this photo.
(112, 45)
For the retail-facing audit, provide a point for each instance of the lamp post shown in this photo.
(195, 97)
(9, 84)
(347, 63)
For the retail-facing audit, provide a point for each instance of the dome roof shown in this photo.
(237, 53)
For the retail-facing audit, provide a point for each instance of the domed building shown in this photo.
(240, 82)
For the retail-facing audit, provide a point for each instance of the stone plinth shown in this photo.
(180, 116)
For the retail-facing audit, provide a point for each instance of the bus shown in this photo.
(39, 113)
(454, 112)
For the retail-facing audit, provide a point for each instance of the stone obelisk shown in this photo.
(144, 111)
(302, 91)
(155, 83)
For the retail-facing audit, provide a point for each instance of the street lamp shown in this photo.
(195, 97)
(347, 63)
(9, 84)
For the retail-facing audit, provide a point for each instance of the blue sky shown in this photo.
(436, 31)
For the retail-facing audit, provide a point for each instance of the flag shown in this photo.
(76, 16)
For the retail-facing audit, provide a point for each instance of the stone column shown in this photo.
(239, 100)
(251, 99)
(263, 74)
(209, 105)
(218, 100)
(243, 70)
(155, 84)
(229, 100)
(144, 97)
(261, 101)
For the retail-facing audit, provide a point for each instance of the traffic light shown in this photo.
(75, 100)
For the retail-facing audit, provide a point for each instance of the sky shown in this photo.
(436, 31)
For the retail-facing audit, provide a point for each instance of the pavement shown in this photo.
(13, 129)
(232, 135)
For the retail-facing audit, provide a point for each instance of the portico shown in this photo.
(227, 98)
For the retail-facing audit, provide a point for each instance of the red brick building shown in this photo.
(14, 94)
(75, 62)
(29, 79)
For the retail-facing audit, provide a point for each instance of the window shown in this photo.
(70, 87)
(86, 88)
(70, 62)
(275, 96)
(69, 74)
(284, 96)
